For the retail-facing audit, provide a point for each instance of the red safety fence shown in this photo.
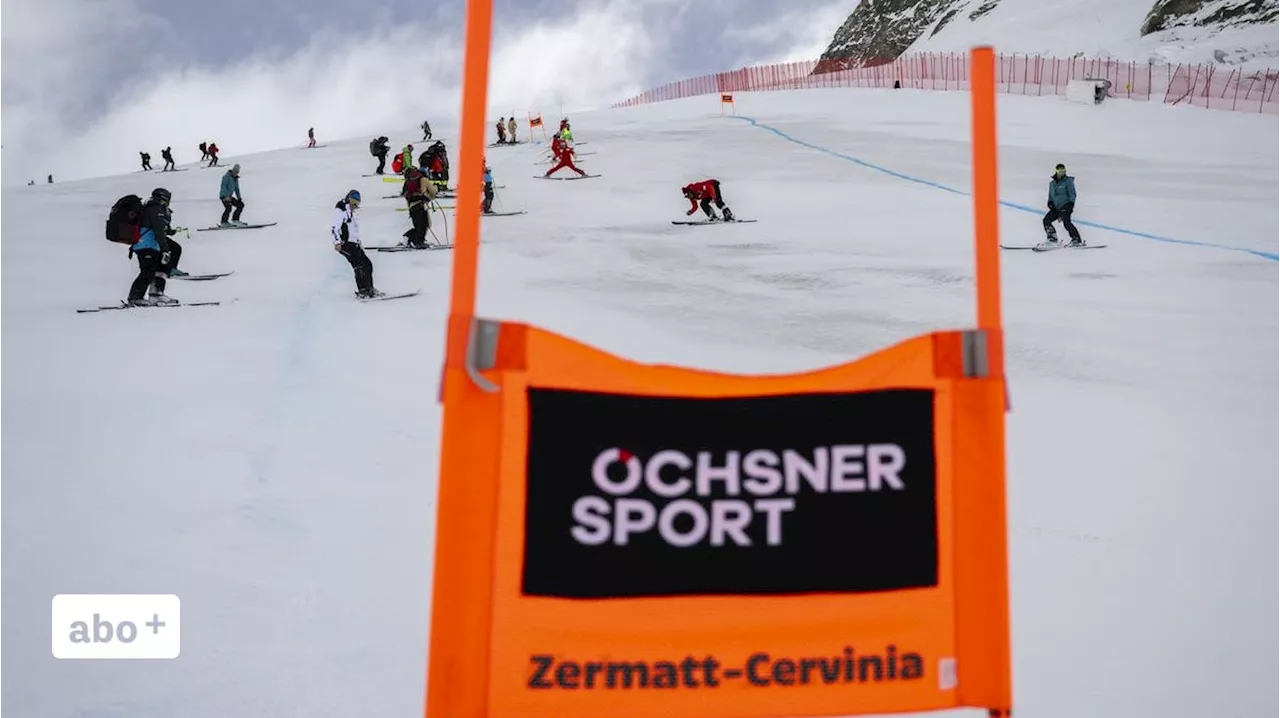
(1198, 85)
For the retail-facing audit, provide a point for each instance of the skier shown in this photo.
(1062, 202)
(563, 154)
(706, 192)
(345, 231)
(146, 161)
(204, 151)
(311, 137)
(437, 164)
(229, 193)
(487, 206)
(379, 147)
(212, 149)
(406, 158)
(158, 255)
(511, 130)
(418, 192)
(169, 164)
(426, 130)
(502, 130)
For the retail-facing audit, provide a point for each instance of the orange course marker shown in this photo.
(627, 540)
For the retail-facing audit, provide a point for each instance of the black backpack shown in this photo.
(373, 147)
(124, 220)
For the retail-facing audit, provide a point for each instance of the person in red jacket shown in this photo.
(564, 156)
(706, 192)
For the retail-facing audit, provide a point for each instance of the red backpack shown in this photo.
(124, 219)
(397, 165)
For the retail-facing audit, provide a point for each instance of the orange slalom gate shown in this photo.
(628, 540)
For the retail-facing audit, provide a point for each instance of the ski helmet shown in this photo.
(353, 196)
(161, 194)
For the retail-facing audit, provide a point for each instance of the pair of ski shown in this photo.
(185, 277)
(247, 226)
(697, 222)
(1046, 247)
(385, 297)
(407, 248)
(126, 305)
(565, 179)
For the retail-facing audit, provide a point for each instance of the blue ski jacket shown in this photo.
(230, 186)
(153, 227)
(488, 176)
(1062, 192)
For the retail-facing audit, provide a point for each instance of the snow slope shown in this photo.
(1099, 28)
(272, 460)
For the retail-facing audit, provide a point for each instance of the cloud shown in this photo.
(67, 112)
(798, 33)
(385, 80)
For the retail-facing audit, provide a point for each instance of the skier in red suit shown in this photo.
(706, 192)
(564, 155)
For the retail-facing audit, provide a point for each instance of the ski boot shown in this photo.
(141, 302)
(239, 223)
(175, 272)
(160, 298)
(225, 225)
(1076, 242)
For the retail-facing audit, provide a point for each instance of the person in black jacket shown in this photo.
(167, 154)
(379, 148)
(158, 255)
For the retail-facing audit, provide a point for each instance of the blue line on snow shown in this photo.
(1012, 205)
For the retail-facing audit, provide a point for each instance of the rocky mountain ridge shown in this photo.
(878, 31)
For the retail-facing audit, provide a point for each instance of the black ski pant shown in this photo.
(1064, 214)
(382, 163)
(361, 265)
(421, 218)
(146, 164)
(488, 198)
(719, 199)
(170, 163)
(227, 204)
(153, 269)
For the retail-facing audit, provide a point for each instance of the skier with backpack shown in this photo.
(426, 131)
(146, 161)
(344, 229)
(435, 162)
(502, 130)
(145, 227)
(379, 147)
(418, 193)
(169, 164)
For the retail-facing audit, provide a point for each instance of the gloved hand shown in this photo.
(1066, 208)
(171, 231)
(164, 258)
(690, 212)
(337, 248)
(1050, 205)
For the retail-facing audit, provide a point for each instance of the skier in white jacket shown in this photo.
(345, 231)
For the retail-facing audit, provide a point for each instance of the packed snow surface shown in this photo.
(273, 460)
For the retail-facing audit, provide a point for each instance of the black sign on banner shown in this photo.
(658, 496)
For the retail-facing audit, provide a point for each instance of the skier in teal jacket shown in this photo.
(229, 193)
(1062, 202)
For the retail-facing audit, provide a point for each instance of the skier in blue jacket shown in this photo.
(487, 206)
(229, 193)
(158, 255)
(1062, 202)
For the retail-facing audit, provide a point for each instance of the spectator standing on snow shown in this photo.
(344, 229)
